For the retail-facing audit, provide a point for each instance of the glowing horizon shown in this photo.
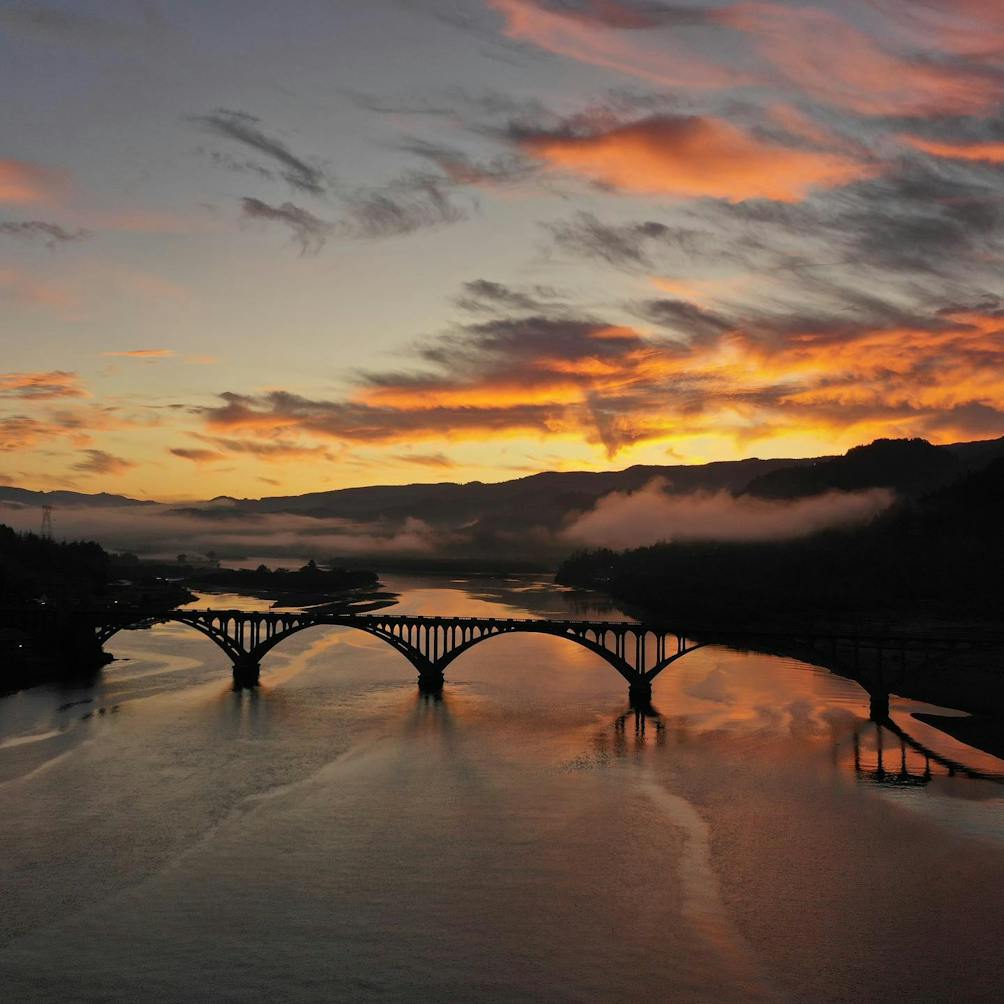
(445, 241)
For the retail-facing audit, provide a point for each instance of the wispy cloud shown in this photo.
(42, 385)
(926, 63)
(308, 231)
(439, 460)
(408, 204)
(412, 202)
(624, 245)
(149, 354)
(51, 234)
(245, 129)
(196, 455)
(486, 296)
(100, 462)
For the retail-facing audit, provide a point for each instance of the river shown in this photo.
(336, 836)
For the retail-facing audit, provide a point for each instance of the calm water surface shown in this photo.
(336, 837)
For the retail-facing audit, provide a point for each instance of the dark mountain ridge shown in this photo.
(524, 517)
(549, 496)
(910, 467)
(932, 557)
(102, 500)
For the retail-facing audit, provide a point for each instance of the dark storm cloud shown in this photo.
(307, 230)
(51, 234)
(245, 129)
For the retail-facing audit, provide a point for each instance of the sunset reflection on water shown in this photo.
(525, 835)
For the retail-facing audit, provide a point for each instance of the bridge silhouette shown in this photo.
(637, 652)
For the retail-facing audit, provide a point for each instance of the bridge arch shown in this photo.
(412, 654)
(620, 665)
(209, 630)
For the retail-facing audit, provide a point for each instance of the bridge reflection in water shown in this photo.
(886, 754)
(883, 752)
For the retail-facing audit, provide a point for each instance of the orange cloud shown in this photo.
(770, 379)
(992, 153)
(807, 48)
(143, 353)
(19, 432)
(75, 423)
(968, 27)
(53, 383)
(659, 62)
(694, 156)
(21, 181)
(827, 58)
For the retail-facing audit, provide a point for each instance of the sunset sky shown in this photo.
(253, 248)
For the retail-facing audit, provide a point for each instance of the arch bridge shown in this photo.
(637, 652)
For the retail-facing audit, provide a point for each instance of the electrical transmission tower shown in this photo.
(47, 522)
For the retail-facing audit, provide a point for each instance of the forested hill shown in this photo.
(910, 467)
(32, 568)
(938, 556)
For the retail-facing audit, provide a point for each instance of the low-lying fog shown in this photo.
(617, 520)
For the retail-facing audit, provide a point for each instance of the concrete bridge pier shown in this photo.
(247, 672)
(878, 705)
(430, 681)
(640, 693)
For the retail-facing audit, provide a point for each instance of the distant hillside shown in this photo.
(910, 467)
(541, 499)
(71, 500)
(937, 556)
(526, 518)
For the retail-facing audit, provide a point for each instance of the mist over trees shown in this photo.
(937, 556)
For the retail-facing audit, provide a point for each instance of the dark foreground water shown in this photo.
(336, 837)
